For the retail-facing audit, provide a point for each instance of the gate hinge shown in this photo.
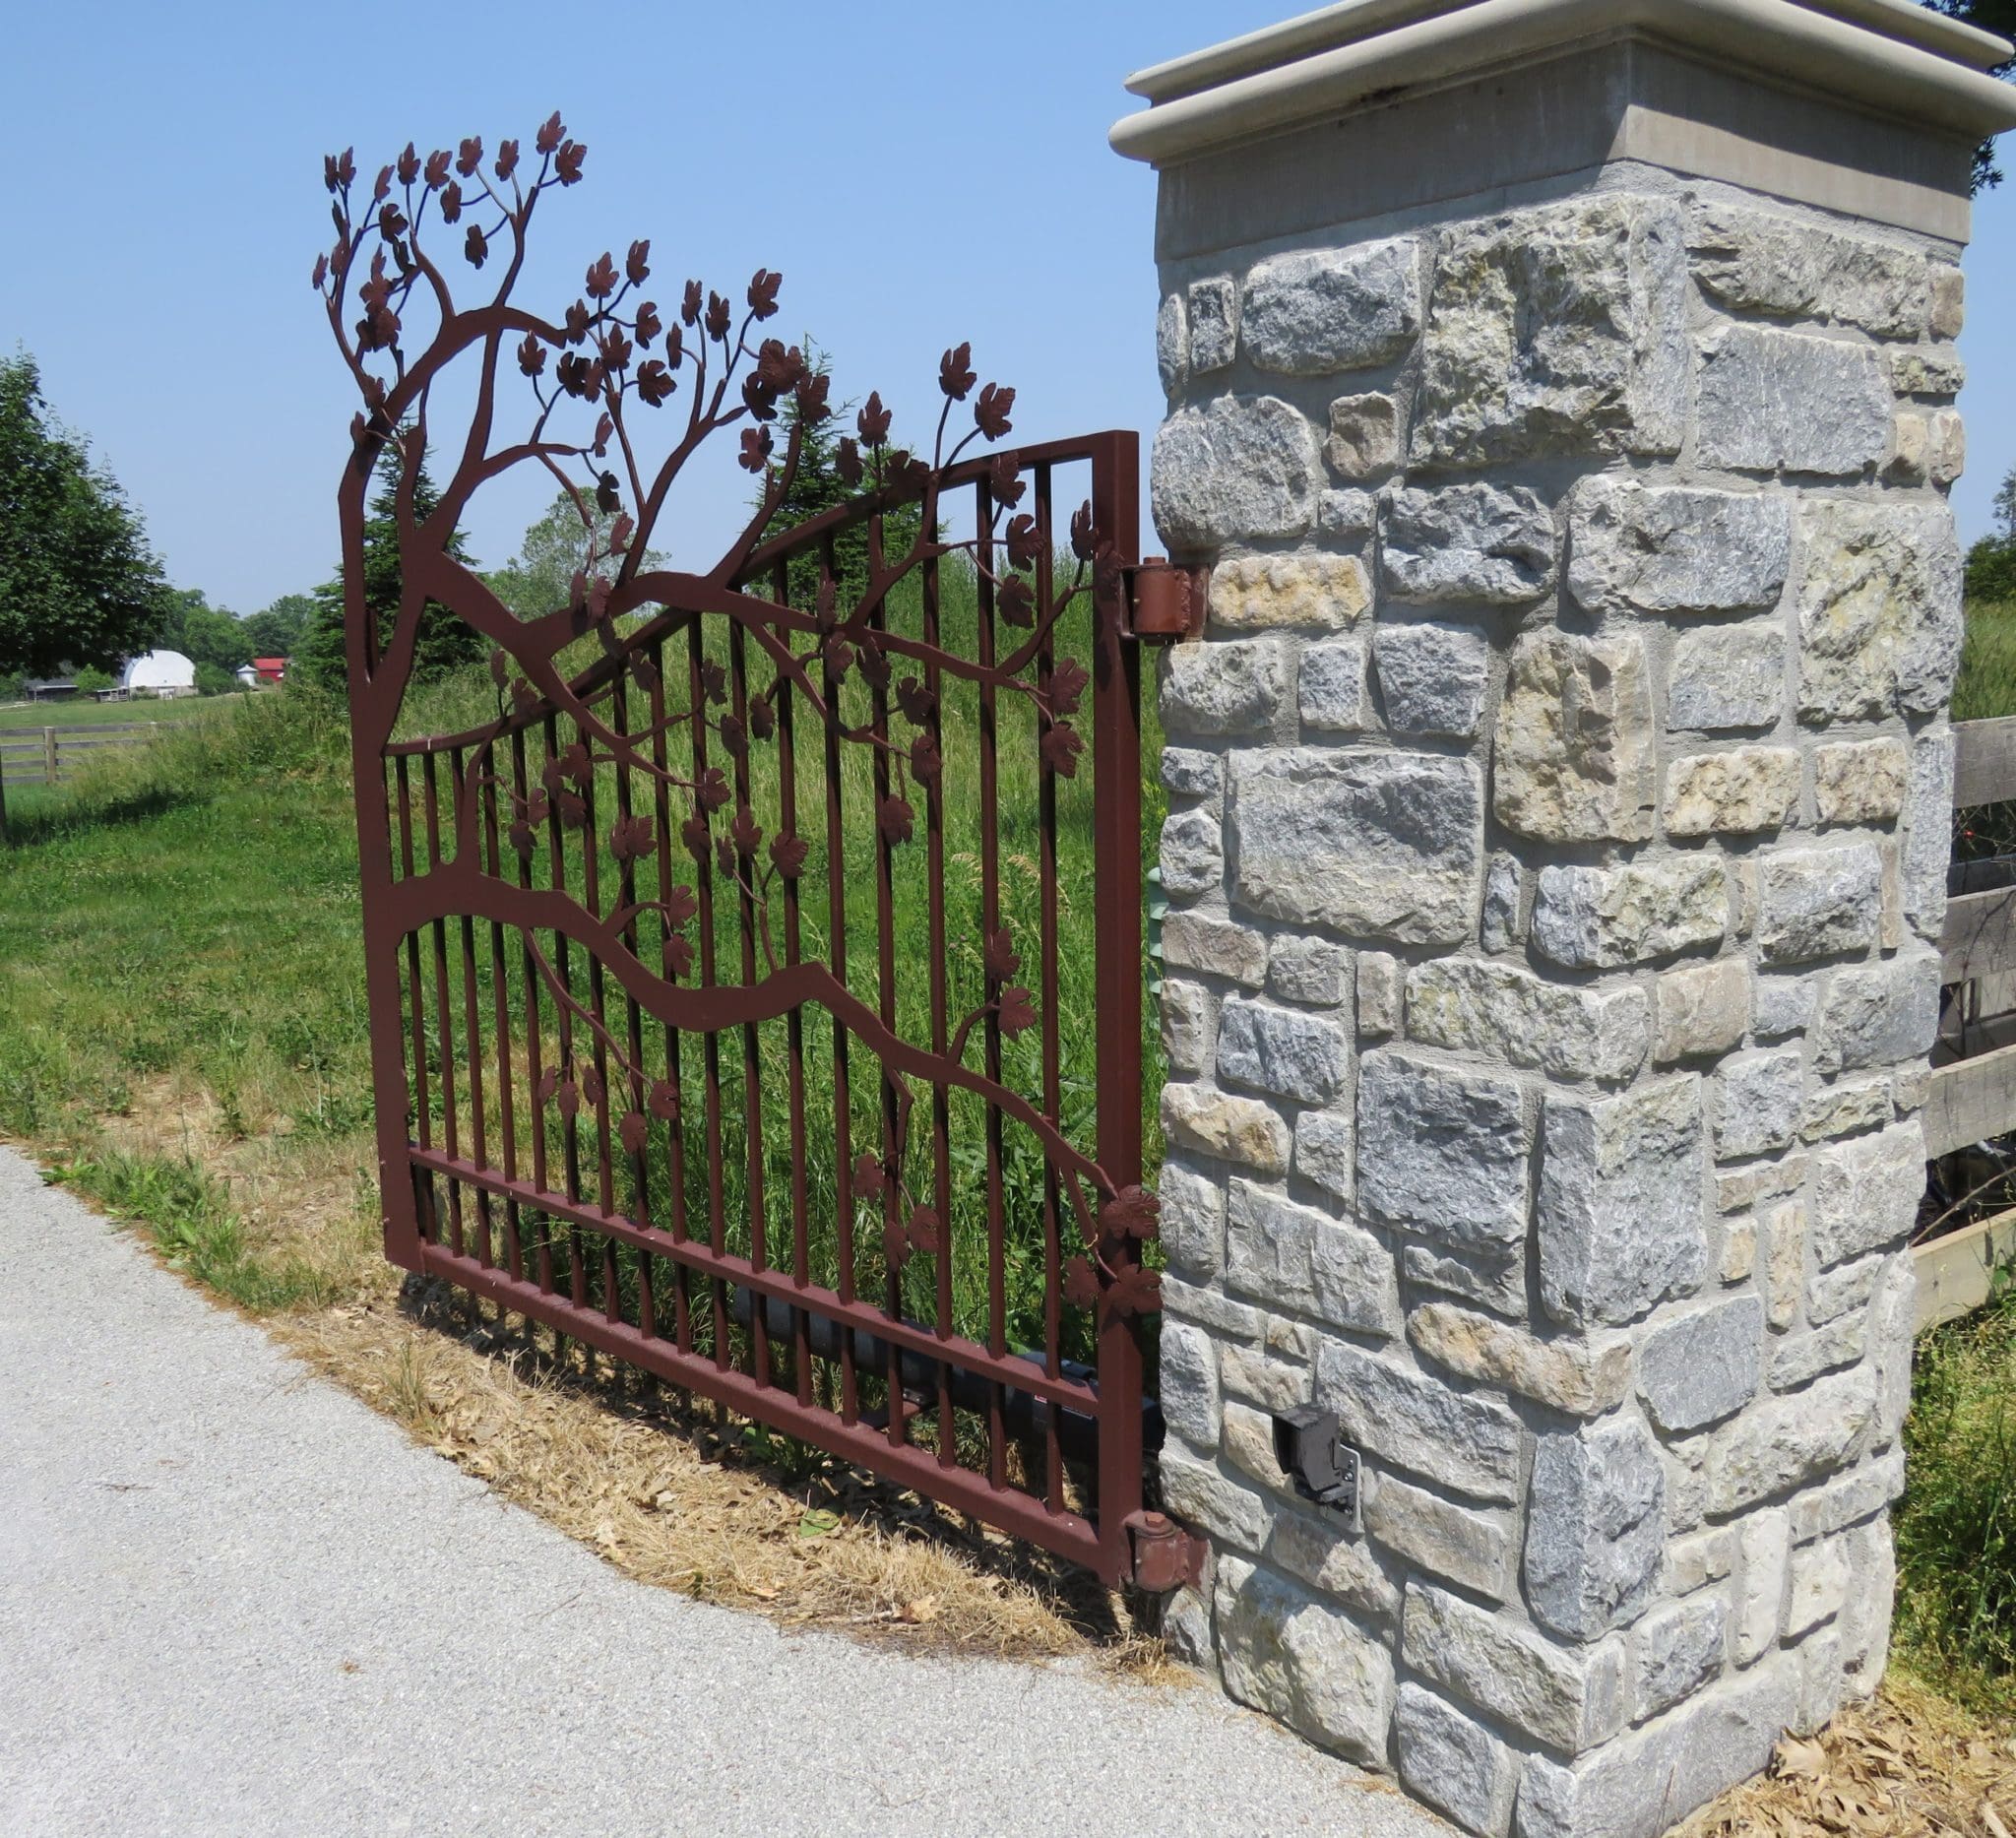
(1165, 602)
(1161, 1555)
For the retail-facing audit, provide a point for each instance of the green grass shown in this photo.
(1956, 1525)
(87, 712)
(1985, 689)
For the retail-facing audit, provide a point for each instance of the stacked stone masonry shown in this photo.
(1557, 828)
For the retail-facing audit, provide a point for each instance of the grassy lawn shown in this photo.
(87, 712)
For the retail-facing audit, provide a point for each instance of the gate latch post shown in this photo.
(1165, 602)
(1161, 1555)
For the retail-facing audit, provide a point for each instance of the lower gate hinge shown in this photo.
(1165, 601)
(1161, 1555)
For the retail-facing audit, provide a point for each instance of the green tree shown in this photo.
(540, 580)
(203, 633)
(1991, 562)
(77, 583)
(1999, 18)
(91, 680)
(212, 680)
(444, 643)
(277, 632)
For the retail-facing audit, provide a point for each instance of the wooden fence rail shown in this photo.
(44, 755)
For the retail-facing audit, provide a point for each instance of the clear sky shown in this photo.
(919, 173)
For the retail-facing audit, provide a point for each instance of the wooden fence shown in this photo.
(47, 755)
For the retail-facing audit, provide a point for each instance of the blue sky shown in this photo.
(919, 173)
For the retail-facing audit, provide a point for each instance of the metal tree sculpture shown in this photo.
(603, 380)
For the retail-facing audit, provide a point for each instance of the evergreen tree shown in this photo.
(1991, 562)
(444, 644)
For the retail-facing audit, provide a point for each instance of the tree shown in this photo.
(203, 633)
(555, 549)
(1999, 18)
(1991, 562)
(444, 643)
(278, 631)
(77, 583)
(213, 681)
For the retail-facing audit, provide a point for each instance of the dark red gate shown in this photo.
(756, 988)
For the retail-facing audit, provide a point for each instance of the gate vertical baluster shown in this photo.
(885, 966)
(836, 953)
(472, 1012)
(632, 1078)
(752, 1038)
(1048, 985)
(794, 1020)
(598, 1028)
(717, 1220)
(507, 1121)
(1116, 905)
(534, 1042)
(563, 1019)
(444, 1019)
(990, 1027)
(423, 1103)
(941, 1102)
(676, 1126)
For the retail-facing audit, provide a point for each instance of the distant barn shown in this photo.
(158, 674)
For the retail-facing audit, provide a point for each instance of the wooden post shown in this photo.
(49, 756)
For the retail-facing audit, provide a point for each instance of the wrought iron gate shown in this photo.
(755, 991)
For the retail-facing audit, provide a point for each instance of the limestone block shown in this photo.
(1664, 550)
(1467, 542)
(1926, 370)
(1271, 1385)
(1582, 1377)
(1494, 1278)
(1498, 1011)
(1785, 1270)
(1557, 330)
(1201, 1493)
(1909, 438)
(1784, 1005)
(1927, 839)
(1242, 469)
(1381, 984)
(1338, 1565)
(1330, 686)
(1173, 344)
(1226, 1128)
(1945, 447)
(1442, 1151)
(1757, 1101)
(1865, 1194)
(1476, 1550)
(1878, 1014)
(1188, 1390)
(1799, 1359)
(1433, 678)
(1772, 401)
(1469, 1444)
(1318, 311)
(1311, 970)
(1820, 1580)
(1880, 608)
(1600, 919)
(1192, 1222)
(1189, 773)
(1697, 1369)
(1189, 1026)
(1349, 515)
(1834, 1292)
(1214, 947)
(1765, 1542)
(1677, 1650)
(1288, 1654)
(1738, 792)
(1845, 1110)
(1949, 301)
(1192, 854)
(1214, 324)
(1818, 902)
(1292, 1256)
(1727, 676)
(1621, 1189)
(1738, 1250)
(1789, 1442)
(1459, 1768)
(1281, 1051)
(1570, 1698)
(1702, 1009)
(1325, 1153)
(1274, 592)
(1595, 1528)
(1575, 741)
(1365, 437)
(1212, 1308)
(1222, 690)
(1504, 921)
(1789, 267)
(1865, 1627)
(1636, 1787)
(1861, 781)
(1698, 1560)
(1377, 845)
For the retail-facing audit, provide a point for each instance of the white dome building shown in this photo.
(162, 673)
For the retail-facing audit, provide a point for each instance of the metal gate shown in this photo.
(756, 989)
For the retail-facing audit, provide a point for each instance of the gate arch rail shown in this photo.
(756, 995)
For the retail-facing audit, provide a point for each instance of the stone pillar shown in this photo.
(1562, 395)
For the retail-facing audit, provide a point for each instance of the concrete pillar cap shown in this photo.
(1890, 56)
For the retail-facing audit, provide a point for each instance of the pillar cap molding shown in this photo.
(1890, 56)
